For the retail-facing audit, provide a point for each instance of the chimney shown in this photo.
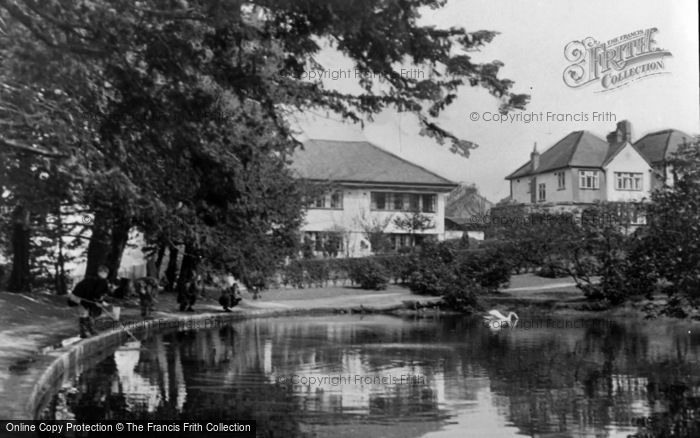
(534, 158)
(623, 132)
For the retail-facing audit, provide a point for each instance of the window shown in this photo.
(541, 192)
(401, 241)
(413, 202)
(333, 200)
(428, 203)
(379, 201)
(337, 200)
(326, 242)
(628, 181)
(561, 180)
(403, 202)
(588, 179)
(398, 201)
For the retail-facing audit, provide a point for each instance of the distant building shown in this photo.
(370, 188)
(582, 168)
(657, 148)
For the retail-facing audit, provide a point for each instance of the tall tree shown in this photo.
(186, 104)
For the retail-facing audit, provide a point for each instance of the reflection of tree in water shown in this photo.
(207, 355)
(591, 379)
(544, 381)
(99, 395)
(674, 393)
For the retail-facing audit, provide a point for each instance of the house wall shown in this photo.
(520, 189)
(521, 193)
(628, 160)
(356, 213)
(588, 195)
(553, 194)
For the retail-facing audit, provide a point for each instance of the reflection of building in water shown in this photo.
(145, 378)
(138, 391)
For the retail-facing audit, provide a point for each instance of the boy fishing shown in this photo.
(88, 296)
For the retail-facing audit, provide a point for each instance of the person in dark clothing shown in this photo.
(187, 295)
(146, 289)
(229, 297)
(123, 289)
(91, 291)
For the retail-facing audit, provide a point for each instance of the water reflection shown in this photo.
(350, 375)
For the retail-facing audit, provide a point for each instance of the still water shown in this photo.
(383, 376)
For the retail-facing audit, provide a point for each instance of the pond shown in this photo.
(350, 375)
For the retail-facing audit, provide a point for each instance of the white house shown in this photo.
(582, 168)
(369, 189)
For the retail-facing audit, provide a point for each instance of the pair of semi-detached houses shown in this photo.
(582, 169)
(374, 191)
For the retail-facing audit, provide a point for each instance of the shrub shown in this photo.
(399, 267)
(441, 267)
(488, 268)
(368, 274)
(463, 298)
(317, 272)
(459, 275)
(551, 271)
(294, 274)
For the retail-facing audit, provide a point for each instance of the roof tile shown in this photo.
(359, 162)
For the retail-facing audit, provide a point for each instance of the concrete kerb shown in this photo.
(52, 369)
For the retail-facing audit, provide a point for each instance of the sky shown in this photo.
(533, 35)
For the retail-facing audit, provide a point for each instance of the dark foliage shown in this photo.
(368, 274)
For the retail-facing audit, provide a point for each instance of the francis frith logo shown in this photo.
(614, 63)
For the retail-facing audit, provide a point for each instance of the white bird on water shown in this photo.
(496, 319)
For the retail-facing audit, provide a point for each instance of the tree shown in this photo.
(590, 246)
(374, 229)
(414, 222)
(669, 245)
(185, 104)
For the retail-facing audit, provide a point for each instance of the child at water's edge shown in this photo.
(88, 297)
(146, 289)
(229, 297)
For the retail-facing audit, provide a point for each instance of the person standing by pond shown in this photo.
(188, 292)
(90, 293)
(230, 296)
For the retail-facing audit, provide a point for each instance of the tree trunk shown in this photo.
(119, 238)
(107, 243)
(98, 248)
(171, 271)
(20, 277)
(61, 286)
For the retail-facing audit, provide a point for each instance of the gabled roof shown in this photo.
(577, 149)
(659, 146)
(360, 162)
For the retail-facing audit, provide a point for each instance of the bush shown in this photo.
(463, 298)
(551, 271)
(368, 274)
(399, 267)
(294, 274)
(441, 267)
(488, 268)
